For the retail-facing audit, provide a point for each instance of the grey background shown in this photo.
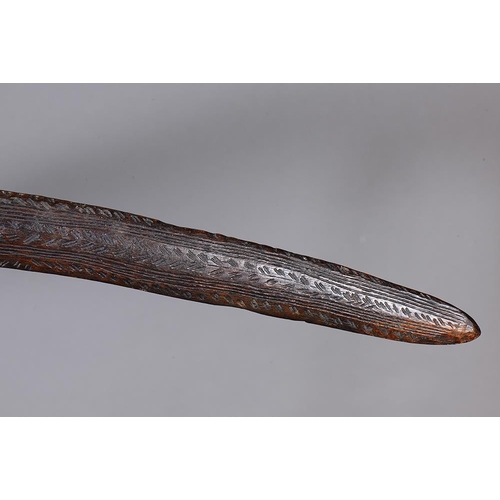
(400, 181)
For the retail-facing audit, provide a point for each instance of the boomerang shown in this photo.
(84, 241)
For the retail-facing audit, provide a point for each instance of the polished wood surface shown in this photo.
(84, 241)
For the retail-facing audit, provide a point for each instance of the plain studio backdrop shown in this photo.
(400, 181)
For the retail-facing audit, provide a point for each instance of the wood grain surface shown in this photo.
(84, 241)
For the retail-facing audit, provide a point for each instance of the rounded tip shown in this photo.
(471, 331)
(463, 332)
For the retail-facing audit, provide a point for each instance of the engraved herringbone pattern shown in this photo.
(48, 235)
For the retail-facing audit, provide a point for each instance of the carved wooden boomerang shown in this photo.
(83, 241)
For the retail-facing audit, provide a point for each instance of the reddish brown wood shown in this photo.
(84, 241)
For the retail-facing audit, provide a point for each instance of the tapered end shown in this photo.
(471, 330)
